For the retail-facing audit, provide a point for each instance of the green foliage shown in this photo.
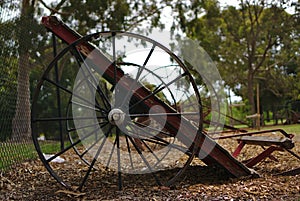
(8, 90)
(100, 15)
(8, 74)
(258, 42)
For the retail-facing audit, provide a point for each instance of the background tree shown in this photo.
(21, 122)
(248, 43)
(27, 39)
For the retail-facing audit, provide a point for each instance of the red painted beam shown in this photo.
(238, 149)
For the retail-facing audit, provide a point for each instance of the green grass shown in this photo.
(52, 147)
(272, 122)
(12, 153)
(291, 129)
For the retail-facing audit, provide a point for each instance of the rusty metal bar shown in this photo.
(257, 132)
(262, 156)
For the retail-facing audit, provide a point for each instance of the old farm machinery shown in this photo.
(122, 113)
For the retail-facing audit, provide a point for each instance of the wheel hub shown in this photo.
(116, 116)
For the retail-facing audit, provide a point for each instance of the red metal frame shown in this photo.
(238, 149)
(266, 153)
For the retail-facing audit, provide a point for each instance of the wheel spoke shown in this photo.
(72, 145)
(71, 93)
(88, 107)
(111, 153)
(94, 161)
(143, 133)
(119, 159)
(91, 146)
(157, 90)
(150, 150)
(87, 126)
(144, 128)
(155, 139)
(139, 73)
(164, 114)
(114, 58)
(94, 82)
(66, 118)
(174, 146)
(158, 141)
(129, 151)
(145, 160)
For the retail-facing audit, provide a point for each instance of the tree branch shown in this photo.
(56, 9)
(245, 24)
(144, 17)
(270, 44)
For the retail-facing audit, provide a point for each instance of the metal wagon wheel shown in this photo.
(115, 105)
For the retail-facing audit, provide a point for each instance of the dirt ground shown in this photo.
(31, 181)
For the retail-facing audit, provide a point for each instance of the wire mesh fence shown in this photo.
(13, 147)
(24, 53)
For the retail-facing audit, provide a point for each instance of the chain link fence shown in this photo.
(24, 54)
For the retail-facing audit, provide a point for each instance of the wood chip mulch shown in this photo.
(31, 181)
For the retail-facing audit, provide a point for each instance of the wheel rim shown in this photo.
(105, 121)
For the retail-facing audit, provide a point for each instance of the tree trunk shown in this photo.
(21, 122)
(21, 128)
(268, 115)
(250, 94)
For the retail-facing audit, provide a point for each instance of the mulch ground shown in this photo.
(31, 181)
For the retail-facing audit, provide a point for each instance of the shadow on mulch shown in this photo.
(193, 175)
